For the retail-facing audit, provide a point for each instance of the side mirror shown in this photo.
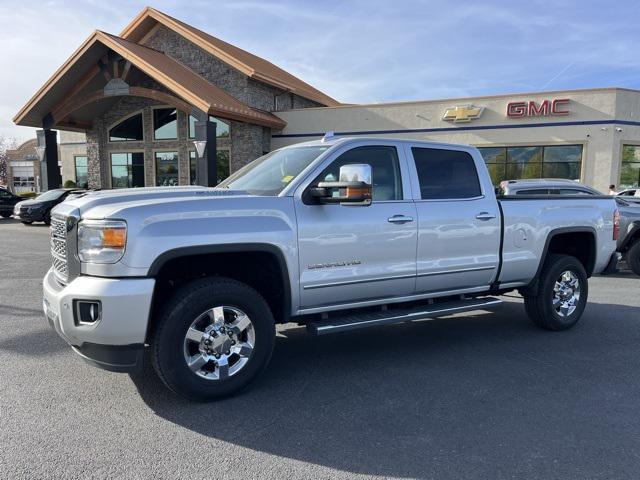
(353, 187)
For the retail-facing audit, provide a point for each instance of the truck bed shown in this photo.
(531, 221)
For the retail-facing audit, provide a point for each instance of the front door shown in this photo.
(458, 221)
(354, 253)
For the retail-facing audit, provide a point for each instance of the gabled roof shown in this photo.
(249, 64)
(177, 78)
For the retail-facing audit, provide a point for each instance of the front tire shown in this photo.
(215, 335)
(632, 257)
(561, 296)
(5, 214)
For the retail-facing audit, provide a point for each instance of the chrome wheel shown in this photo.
(219, 343)
(566, 293)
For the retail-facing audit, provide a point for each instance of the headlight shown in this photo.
(101, 241)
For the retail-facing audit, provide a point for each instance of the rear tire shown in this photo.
(632, 257)
(561, 296)
(47, 218)
(5, 214)
(192, 346)
(26, 222)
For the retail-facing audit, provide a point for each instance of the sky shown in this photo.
(357, 51)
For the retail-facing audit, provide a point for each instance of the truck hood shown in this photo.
(105, 203)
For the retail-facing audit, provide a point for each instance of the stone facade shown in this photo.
(249, 91)
(245, 142)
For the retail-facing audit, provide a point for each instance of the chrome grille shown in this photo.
(59, 247)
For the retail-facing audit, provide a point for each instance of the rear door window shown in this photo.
(534, 191)
(573, 191)
(446, 174)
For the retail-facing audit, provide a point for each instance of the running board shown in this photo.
(387, 317)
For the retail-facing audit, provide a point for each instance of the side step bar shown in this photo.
(386, 317)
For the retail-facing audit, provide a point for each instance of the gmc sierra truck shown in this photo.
(336, 234)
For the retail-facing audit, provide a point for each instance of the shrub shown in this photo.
(69, 184)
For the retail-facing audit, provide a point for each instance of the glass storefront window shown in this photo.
(223, 165)
(129, 129)
(127, 170)
(166, 169)
(222, 127)
(549, 161)
(495, 158)
(524, 155)
(630, 168)
(82, 164)
(165, 123)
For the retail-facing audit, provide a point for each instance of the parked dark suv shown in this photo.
(7, 202)
(39, 209)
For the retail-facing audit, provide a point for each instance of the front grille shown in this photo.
(59, 247)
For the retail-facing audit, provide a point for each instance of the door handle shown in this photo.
(485, 216)
(400, 219)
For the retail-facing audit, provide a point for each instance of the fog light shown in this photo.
(87, 312)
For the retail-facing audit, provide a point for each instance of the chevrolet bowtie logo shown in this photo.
(462, 114)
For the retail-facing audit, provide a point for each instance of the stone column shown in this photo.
(98, 170)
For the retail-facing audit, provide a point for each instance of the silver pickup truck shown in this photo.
(337, 234)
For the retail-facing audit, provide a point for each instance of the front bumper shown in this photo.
(26, 216)
(116, 341)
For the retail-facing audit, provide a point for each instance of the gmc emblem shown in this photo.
(533, 109)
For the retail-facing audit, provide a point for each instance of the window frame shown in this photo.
(118, 122)
(131, 151)
(417, 196)
(75, 168)
(542, 162)
(209, 118)
(190, 151)
(153, 123)
(335, 158)
(308, 176)
(156, 151)
(621, 163)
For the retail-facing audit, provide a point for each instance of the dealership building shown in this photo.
(164, 103)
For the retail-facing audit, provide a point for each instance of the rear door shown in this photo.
(458, 220)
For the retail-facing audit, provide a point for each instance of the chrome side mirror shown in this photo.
(353, 187)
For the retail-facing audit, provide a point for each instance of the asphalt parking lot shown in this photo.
(473, 396)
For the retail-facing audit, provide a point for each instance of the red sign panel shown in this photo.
(532, 108)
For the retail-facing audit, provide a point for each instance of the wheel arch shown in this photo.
(632, 236)
(563, 241)
(230, 260)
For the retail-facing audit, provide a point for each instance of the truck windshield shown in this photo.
(269, 174)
